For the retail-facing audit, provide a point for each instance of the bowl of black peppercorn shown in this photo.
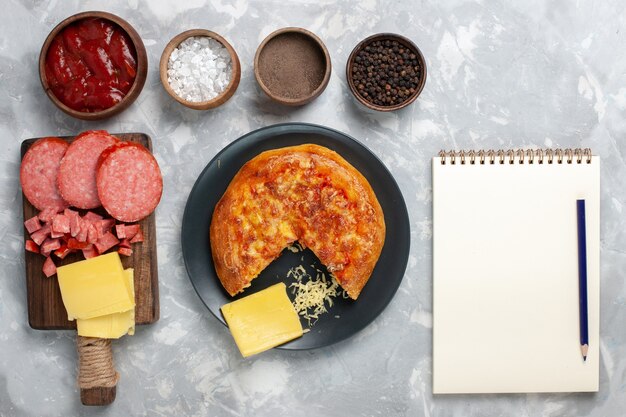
(386, 72)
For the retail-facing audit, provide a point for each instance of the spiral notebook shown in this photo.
(505, 271)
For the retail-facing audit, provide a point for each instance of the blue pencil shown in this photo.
(582, 279)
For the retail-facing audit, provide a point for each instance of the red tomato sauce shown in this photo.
(91, 65)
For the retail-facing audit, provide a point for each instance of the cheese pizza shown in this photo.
(304, 193)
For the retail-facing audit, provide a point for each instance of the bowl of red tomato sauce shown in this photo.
(93, 65)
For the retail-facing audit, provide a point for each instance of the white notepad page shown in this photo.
(505, 277)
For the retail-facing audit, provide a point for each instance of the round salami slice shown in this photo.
(39, 171)
(77, 174)
(129, 181)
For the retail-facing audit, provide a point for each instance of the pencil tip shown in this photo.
(584, 359)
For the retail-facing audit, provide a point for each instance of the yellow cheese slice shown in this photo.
(95, 287)
(111, 326)
(262, 320)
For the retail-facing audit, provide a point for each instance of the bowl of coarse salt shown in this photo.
(200, 69)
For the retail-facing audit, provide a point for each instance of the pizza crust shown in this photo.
(306, 193)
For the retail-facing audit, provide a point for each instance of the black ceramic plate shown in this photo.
(345, 317)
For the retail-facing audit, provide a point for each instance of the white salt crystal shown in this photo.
(199, 69)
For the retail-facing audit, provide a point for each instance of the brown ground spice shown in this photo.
(292, 65)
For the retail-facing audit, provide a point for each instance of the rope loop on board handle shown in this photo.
(95, 363)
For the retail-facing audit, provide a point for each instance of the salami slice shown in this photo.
(39, 171)
(129, 181)
(77, 174)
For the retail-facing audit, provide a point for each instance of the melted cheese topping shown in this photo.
(280, 198)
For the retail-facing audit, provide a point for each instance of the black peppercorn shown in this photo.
(386, 72)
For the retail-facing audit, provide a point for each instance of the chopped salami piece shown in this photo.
(138, 237)
(92, 233)
(56, 235)
(106, 242)
(46, 215)
(125, 251)
(75, 225)
(120, 231)
(103, 226)
(61, 223)
(31, 246)
(91, 216)
(120, 166)
(70, 213)
(74, 243)
(125, 243)
(77, 172)
(74, 220)
(81, 236)
(32, 224)
(40, 235)
(49, 245)
(131, 230)
(39, 171)
(49, 268)
(90, 252)
(63, 251)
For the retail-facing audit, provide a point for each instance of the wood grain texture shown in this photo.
(98, 396)
(45, 306)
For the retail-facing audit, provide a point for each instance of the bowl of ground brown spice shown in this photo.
(386, 72)
(292, 66)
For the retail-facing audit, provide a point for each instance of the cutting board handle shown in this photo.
(97, 377)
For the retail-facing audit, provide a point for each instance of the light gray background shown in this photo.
(499, 75)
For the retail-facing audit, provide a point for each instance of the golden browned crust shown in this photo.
(306, 193)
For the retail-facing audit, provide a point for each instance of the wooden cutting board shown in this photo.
(45, 306)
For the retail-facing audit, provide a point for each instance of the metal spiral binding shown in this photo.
(517, 156)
